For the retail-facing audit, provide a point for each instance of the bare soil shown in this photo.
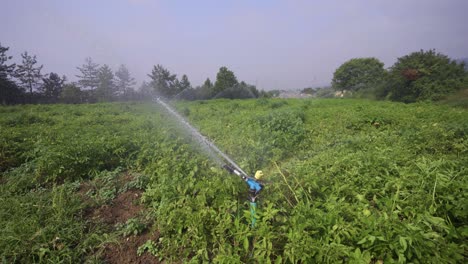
(123, 207)
(126, 250)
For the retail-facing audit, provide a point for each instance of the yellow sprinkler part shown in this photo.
(258, 175)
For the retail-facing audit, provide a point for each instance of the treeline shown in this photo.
(419, 76)
(226, 85)
(25, 83)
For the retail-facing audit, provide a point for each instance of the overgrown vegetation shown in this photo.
(348, 181)
(419, 76)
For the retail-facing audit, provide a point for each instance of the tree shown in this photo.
(163, 82)
(5, 69)
(52, 86)
(463, 61)
(10, 93)
(29, 74)
(239, 91)
(358, 73)
(224, 79)
(425, 75)
(71, 94)
(208, 83)
(184, 83)
(124, 82)
(206, 90)
(145, 92)
(89, 78)
(106, 89)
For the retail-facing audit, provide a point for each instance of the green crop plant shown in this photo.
(347, 181)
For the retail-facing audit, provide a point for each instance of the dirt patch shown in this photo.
(126, 250)
(125, 206)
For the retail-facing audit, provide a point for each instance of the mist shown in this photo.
(270, 44)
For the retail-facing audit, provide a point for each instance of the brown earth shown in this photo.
(123, 207)
(126, 250)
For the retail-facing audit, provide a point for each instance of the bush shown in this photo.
(425, 75)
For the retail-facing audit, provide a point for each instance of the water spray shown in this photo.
(215, 153)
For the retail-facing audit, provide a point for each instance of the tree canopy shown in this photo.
(9, 91)
(52, 86)
(425, 75)
(163, 82)
(358, 73)
(224, 79)
(28, 73)
(88, 79)
(106, 89)
(124, 82)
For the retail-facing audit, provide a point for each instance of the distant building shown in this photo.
(293, 94)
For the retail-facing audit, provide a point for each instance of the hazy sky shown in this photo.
(274, 44)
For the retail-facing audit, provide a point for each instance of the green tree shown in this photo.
(208, 83)
(52, 86)
(106, 89)
(28, 73)
(124, 82)
(163, 82)
(239, 91)
(184, 83)
(145, 91)
(224, 79)
(358, 73)
(89, 77)
(10, 93)
(425, 75)
(71, 94)
(5, 69)
(205, 91)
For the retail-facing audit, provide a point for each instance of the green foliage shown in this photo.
(124, 82)
(163, 82)
(71, 94)
(28, 73)
(133, 226)
(89, 78)
(10, 92)
(106, 89)
(350, 181)
(425, 75)
(224, 79)
(52, 86)
(357, 74)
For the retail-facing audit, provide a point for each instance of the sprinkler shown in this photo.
(254, 184)
(254, 189)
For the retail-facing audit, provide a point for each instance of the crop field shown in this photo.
(346, 181)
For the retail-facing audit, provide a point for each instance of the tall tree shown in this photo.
(124, 82)
(145, 91)
(106, 89)
(208, 83)
(89, 78)
(10, 93)
(5, 69)
(425, 75)
(224, 79)
(205, 91)
(358, 73)
(184, 83)
(52, 86)
(28, 73)
(71, 94)
(163, 82)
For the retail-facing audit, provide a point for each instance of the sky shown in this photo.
(269, 43)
